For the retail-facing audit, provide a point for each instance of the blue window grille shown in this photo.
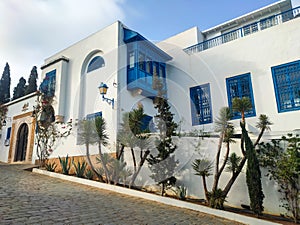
(48, 85)
(201, 104)
(238, 87)
(286, 79)
(93, 116)
(96, 63)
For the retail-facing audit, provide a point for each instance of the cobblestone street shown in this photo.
(28, 198)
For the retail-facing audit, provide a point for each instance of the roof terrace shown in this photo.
(245, 30)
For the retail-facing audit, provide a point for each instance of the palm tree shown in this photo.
(132, 135)
(102, 138)
(203, 168)
(233, 163)
(87, 135)
(226, 130)
(263, 124)
(241, 105)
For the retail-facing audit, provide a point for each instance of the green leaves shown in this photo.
(65, 165)
(79, 168)
(203, 167)
(233, 163)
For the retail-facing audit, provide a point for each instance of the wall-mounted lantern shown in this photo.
(103, 90)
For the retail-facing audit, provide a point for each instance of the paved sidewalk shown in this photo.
(29, 198)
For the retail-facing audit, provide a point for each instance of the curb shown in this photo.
(168, 201)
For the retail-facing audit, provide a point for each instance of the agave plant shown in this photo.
(89, 174)
(65, 165)
(79, 168)
(181, 192)
(50, 166)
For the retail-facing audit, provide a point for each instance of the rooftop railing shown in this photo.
(245, 30)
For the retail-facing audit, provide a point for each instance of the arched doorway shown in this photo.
(21, 145)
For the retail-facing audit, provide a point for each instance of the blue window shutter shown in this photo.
(201, 109)
(8, 133)
(238, 87)
(286, 80)
(48, 84)
(146, 122)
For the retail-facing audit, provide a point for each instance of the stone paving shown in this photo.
(29, 198)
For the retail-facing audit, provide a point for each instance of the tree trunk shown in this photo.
(234, 176)
(133, 158)
(259, 137)
(143, 159)
(103, 164)
(205, 188)
(90, 163)
(217, 175)
(121, 152)
(162, 189)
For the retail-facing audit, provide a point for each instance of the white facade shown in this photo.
(254, 45)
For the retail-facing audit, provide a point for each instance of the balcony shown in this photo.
(145, 61)
(245, 30)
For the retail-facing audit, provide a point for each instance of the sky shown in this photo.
(33, 30)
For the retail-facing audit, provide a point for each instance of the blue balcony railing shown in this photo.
(245, 30)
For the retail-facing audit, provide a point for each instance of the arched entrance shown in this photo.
(21, 145)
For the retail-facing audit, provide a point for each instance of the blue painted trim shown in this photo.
(287, 83)
(137, 76)
(92, 116)
(200, 112)
(237, 79)
(131, 36)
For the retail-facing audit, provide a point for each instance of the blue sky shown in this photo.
(159, 20)
(33, 30)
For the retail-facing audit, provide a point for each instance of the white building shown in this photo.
(255, 55)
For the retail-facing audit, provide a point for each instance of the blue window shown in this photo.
(201, 104)
(96, 63)
(48, 85)
(93, 115)
(238, 87)
(286, 79)
(8, 132)
(7, 140)
(146, 123)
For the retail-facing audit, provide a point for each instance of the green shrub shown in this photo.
(181, 192)
(50, 166)
(216, 199)
(79, 168)
(65, 165)
(89, 174)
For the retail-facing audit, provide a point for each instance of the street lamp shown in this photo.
(103, 90)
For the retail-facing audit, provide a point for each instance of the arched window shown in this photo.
(96, 63)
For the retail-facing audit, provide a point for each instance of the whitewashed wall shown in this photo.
(191, 148)
(256, 54)
(81, 89)
(15, 107)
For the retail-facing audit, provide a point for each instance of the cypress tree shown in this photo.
(19, 90)
(5, 85)
(253, 175)
(163, 164)
(32, 81)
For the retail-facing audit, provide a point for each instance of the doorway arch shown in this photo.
(21, 144)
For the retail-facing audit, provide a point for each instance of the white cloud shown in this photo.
(33, 30)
